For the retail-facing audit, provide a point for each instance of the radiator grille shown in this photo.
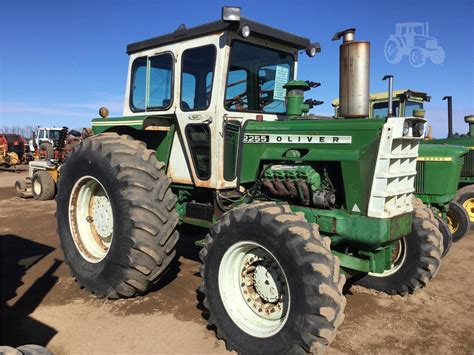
(468, 166)
(420, 177)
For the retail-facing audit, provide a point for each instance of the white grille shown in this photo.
(395, 170)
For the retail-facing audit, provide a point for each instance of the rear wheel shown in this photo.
(43, 186)
(458, 220)
(416, 257)
(447, 236)
(393, 51)
(270, 282)
(116, 216)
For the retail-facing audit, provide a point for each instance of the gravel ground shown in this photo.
(42, 304)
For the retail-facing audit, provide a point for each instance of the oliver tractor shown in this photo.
(439, 167)
(215, 133)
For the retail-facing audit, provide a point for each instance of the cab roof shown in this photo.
(404, 93)
(183, 33)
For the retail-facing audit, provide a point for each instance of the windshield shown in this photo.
(381, 109)
(412, 105)
(256, 77)
(418, 30)
(54, 134)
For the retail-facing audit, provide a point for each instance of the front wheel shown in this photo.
(270, 282)
(116, 216)
(465, 197)
(416, 257)
(447, 235)
(458, 220)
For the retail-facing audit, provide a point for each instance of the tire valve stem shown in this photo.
(89, 219)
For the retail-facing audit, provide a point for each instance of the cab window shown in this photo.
(255, 78)
(196, 77)
(380, 109)
(152, 83)
(160, 82)
(138, 87)
(412, 105)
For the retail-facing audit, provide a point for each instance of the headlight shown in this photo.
(406, 128)
(418, 129)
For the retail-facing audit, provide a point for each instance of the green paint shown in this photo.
(438, 172)
(378, 260)
(100, 125)
(163, 151)
(355, 161)
(294, 173)
(347, 228)
(295, 105)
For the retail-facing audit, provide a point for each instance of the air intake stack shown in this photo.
(354, 72)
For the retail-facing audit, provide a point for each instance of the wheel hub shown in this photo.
(262, 285)
(91, 219)
(102, 217)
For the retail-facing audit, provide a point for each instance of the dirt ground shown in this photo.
(42, 304)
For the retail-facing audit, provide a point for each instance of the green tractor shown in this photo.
(215, 134)
(465, 194)
(438, 166)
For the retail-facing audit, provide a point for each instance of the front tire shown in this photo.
(270, 282)
(43, 186)
(416, 257)
(116, 216)
(447, 236)
(417, 57)
(465, 197)
(458, 221)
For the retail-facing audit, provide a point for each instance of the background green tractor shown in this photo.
(438, 166)
(465, 194)
(292, 204)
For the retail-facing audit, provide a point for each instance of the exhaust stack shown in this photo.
(354, 69)
(390, 94)
(450, 115)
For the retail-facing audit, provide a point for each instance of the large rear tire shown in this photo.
(43, 186)
(458, 220)
(116, 216)
(270, 282)
(416, 257)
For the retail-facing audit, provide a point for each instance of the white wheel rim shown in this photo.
(398, 259)
(254, 289)
(37, 187)
(91, 219)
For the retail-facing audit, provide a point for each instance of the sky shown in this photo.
(61, 60)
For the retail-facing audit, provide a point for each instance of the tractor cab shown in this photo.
(198, 86)
(404, 102)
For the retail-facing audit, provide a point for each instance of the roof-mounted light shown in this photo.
(312, 49)
(244, 31)
(230, 13)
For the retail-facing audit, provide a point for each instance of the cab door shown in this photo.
(195, 112)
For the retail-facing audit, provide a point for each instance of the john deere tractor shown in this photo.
(215, 133)
(465, 194)
(438, 166)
